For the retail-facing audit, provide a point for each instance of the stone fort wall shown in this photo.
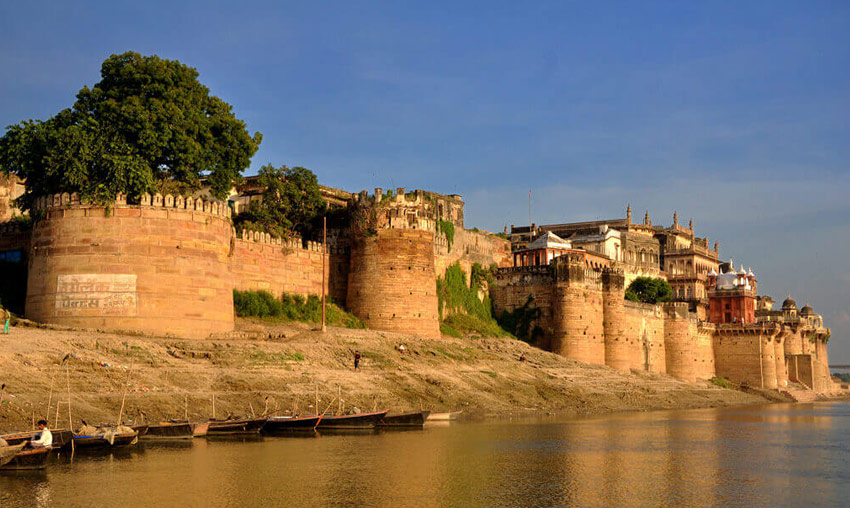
(584, 317)
(160, 266)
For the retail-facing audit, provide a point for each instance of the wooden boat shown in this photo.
(280, 424)
(141, 429)
(416, 419)
(246, 426)
(443, 417)
(169, 430)
(112, 440)
(26, 459)
(351, 422)
(61, 437)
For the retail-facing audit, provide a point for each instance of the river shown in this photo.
(773, 455)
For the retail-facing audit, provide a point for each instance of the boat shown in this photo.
(416, 419)
(105, 437)
(61, 437)
(351, 422)
(173, 430)
(22, 458)
(244, 426)
(280, 424)
(443, 417)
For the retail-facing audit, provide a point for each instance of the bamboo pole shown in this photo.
(124, 396)
(50, 396)
(56, 423)
(317, 399)
(253, 415)
(213, 405)
(186, 407)
(339, 398)
(324, 258)
(70, 421)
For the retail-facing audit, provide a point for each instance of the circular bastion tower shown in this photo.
(392, 282)
(160, 266)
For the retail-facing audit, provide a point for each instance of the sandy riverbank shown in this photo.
(277, 368)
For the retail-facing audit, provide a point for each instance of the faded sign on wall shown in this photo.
(107, 294)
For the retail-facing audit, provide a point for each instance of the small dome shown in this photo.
(807, 311)
(727, 280)
(750, 273)
(741, 271)
(789, 304)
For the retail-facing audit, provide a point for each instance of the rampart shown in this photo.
(160, 266)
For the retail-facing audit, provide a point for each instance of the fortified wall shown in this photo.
(584, 316)
(168, 264)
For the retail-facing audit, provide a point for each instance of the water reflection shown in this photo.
(782, 455)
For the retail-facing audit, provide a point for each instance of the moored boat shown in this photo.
(168, 430)
(351, 422)
(61, 437)
(105, 437)
(23, 458)
(281, 424)
(416, 419)
(443, 417)
(245, 426)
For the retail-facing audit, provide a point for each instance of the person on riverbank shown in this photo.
(44, 439)
(7, 316)
(356, 361)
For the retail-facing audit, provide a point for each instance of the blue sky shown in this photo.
(734, 113)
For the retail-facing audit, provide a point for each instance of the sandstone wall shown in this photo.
(14, 238)
(263, 263)
(578, 312)
(747, 354)
(392, 284)
(512, 290)
(644, 334)
(469, 247)
(161, 267)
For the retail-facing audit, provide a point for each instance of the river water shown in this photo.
(774, 455)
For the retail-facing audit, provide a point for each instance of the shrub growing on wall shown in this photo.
(649, 290)
(149, 125)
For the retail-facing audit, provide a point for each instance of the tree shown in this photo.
(649, 290)
(291, 202)
(149, 125)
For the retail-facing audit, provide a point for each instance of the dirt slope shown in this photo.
(278, 367)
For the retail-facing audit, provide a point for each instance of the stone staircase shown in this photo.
(801, 395)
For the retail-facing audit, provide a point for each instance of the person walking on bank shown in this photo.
(356, 361)
(7, 316)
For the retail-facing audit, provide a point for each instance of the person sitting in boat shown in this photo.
(43, 439)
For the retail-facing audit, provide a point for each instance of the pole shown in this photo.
(186, 407)
(50, 397)
(213, 405)
(124, 395)
(70, 421)
(530, 231)
(339, 397)
(324, 257)
(317, 398)
(56, 423)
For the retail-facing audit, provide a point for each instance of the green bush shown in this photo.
(448, 229)
(461, 310)
(291, 307)
(722, 382)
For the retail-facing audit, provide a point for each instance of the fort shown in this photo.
(168, 265)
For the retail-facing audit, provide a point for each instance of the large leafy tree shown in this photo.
(149, 125)
(291, 202)
(649, 290)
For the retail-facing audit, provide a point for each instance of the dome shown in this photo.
(789, 304)
(742, 271)
(807, 311)
(727, 280)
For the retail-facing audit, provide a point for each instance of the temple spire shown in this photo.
(629, 214)
(675, 219)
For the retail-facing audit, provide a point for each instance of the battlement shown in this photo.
(419, 209)
(72, 200)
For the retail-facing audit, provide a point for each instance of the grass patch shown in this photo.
(464, 324)
(489, 373)
(447, 329)
(291, 308)
(722, 382)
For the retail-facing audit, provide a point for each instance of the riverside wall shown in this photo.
(159, 266)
